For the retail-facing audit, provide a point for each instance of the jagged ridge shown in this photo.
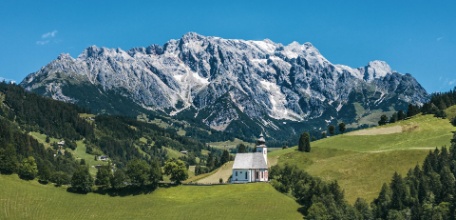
(261, 78)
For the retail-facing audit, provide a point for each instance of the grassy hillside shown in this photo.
(362, 161)
(30, 200)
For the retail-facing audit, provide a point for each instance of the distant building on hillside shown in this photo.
(251, 167)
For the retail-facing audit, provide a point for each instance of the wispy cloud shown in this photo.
(49, 34)
(47, 37)
(439, 39)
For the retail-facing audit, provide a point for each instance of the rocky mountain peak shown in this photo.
(264, 80)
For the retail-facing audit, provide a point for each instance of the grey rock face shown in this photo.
(260, 78)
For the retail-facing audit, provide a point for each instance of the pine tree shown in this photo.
(399, 192)
(304, 142)
(401, 115)
(8, 160)
(383, 120)
(393, 118)
(448, 185)
(382, 202)
(342, 127)
(225, 157)
(242, 148)
(331, 129)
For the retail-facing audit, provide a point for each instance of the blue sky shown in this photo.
(416, 37)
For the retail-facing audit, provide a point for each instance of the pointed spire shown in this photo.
(261, 139)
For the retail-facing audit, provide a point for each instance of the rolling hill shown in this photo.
(362, 161)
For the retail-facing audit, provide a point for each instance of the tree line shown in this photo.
(436, 106)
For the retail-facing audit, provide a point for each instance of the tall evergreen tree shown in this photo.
(304, 142)
(383, 120)
(401, 115)
(225, 157)
(331, 130)
(382, 203)
(393, 118)
(8, 160)
(448, 185)
(399, 192)
(342, 127)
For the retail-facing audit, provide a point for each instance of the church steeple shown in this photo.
(261, 147)
(261, 140)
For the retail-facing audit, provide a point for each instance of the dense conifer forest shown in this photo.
(122, 139)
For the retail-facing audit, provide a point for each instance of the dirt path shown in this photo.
(376, 131)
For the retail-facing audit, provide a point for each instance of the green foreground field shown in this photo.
(30, 200)
(362, 163)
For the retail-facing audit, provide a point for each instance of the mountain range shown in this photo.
(238, 86)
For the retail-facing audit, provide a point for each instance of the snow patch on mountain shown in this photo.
(263, 78)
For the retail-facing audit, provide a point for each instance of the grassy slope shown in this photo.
(29, 200)
(230, 144)
(361, 164)
(451, 112)
(78, 153)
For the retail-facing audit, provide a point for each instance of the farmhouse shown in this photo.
(251, 167)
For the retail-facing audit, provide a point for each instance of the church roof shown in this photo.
(250, 161)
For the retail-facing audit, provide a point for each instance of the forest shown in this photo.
(122, 139)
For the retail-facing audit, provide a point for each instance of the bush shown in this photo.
(60, 178)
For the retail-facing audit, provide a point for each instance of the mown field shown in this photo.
(362, 163)
(20, 199)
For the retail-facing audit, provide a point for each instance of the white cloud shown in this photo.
(46, 37)
(452, 82)
(439, 39)
(42, 42)
(49, 34)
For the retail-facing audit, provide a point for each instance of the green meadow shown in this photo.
(20, 199)
(362, 161)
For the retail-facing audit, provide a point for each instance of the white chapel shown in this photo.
(251, 167)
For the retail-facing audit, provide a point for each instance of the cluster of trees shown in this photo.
(22, 154)
(332, 130)
(138, 174)
(426, 192)
(436, 106)
(119, 138)
(439, 102)
(319, 200)
(214, 160)
(396, 116)
(35, 113)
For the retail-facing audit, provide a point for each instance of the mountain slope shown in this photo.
(361, 161)
(269, 83)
